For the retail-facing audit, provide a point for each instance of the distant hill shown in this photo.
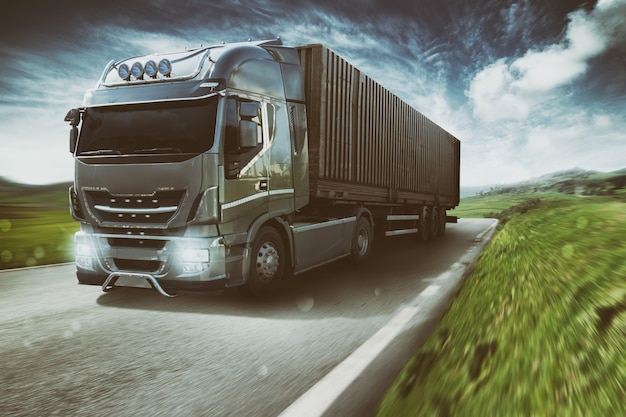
(49, 196)
(472, 191)
(14, 187)
(572, 181)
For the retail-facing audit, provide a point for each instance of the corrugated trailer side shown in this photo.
(368, 145)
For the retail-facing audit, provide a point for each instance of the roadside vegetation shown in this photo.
(539, 327)
(35, 225)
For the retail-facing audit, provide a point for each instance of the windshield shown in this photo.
(149, 128)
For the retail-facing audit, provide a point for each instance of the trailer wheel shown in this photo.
(267, 262)
(434, 223)
(424, 225)
(442, 221)
(362, 241)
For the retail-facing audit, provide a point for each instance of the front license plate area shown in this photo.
(132, 281)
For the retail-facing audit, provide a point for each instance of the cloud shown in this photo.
(510, 89)
(525, 89)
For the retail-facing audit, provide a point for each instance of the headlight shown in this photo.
(84, 251)
(196, 255)
(195, 260)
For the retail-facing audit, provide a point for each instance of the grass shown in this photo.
(538, 328)
(35, 228)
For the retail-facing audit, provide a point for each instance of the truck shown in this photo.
(245, 164)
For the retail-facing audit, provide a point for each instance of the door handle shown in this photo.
(263, 185)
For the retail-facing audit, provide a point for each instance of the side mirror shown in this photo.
(249, 109)
(248, 136)
(73, 117)
(73, 138)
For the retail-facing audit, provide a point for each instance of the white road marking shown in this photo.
(430, 290)
(316, 400)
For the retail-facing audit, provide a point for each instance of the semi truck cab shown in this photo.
(178, 156)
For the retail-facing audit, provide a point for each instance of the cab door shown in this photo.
(280, 159)
(246, 165)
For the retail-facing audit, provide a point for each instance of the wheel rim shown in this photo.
(362, 242)
(267, 262)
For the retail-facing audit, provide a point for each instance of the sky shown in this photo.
(529, 86)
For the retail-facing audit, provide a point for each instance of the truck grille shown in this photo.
(136, 243)
(156, 208)
(137, 265)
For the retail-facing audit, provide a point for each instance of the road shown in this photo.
(67, 349)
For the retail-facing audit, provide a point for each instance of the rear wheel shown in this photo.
(362, 240)
(267, 262)
(434, 223)
(424, 225)
(442, 221)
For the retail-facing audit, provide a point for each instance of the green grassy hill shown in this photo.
(574, 182)
(35, 225)
(539, 327)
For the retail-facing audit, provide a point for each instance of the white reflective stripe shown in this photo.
(245, 200)
(256, 196)
(285, 191)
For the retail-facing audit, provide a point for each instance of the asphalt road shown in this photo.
(67, 349)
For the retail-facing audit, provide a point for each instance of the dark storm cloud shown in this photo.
(434, 54)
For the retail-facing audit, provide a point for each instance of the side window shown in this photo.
(243, 134)
(271, 121)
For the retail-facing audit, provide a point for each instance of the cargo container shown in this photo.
(245, 164)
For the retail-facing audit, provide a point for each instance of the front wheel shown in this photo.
(267, 262)
(362, 241)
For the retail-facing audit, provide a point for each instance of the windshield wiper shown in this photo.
(158, 150)
(101, 152)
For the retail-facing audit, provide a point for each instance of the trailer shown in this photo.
(245, 164)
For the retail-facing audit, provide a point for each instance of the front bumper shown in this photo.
(169, 263)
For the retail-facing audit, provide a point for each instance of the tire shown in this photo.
(423, 226)
(442, 221)
(362, 241)
(268, 262)
(433, 233)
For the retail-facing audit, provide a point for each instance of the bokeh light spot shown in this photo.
(6, 256)
(76, 326)
(5, 225)
(39, 252)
